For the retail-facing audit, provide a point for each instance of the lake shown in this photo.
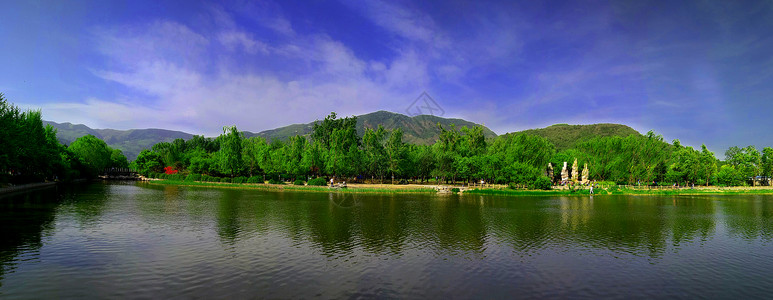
(137, 240)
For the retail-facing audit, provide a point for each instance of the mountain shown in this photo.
(564, 136)
(420, 129)
(131, 142)
(416, 130)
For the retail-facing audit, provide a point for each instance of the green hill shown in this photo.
(565, 136)
(131, 142)
(416, 130)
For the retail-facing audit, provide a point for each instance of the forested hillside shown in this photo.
(565, 136)
(421, 130)
(131, 142)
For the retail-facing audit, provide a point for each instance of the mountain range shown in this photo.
(420, 129)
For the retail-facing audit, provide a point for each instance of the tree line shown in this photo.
(30, 152)
(460, 155)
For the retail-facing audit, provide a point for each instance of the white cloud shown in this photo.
(171, 66)
(239, 39)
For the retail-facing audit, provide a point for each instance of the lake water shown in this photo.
(134, 240)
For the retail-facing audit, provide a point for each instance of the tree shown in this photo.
(148, 162)
(252, 153)
(231, 150)
(92, 152)
(708, 164)
(395, 149)
(374, 154)
(118, 160)
(767, 162)
(294, 156)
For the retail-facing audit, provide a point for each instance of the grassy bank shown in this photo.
(301, 188)
(626, 191)
(402, 189)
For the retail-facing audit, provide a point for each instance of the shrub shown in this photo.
(514, 186)
(225, 179)
(319, 181)
(541, 183)
(403, 181)
(298, 182)
(255, 179)
(193, 177)
(240, 179)
(274, 181)
(455, 190)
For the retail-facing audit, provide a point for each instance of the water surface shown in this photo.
(145, 241)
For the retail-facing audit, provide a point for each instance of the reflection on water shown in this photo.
(137, 240)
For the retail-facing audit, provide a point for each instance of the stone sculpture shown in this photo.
(564, 174)
(575, 169)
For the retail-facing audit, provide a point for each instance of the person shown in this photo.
(331, 182)
(591, 189)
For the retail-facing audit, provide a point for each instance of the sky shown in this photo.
(699, 71)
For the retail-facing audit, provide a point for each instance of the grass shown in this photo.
(614, 190)
(277, 187)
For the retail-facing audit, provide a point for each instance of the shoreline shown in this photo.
(27, 187)
(446, 190)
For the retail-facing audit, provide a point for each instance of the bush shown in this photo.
(541, 183)
(274, 181)
(319, 181)
(193, 177)
(240, 179)
(515, 186)
(255, 179)
(298, 182)
(455, 190)
(403, 181)
(225, 179)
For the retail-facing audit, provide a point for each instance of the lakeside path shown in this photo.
(496, 190)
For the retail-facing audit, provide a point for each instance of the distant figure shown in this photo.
(591, 190)
(331, 182)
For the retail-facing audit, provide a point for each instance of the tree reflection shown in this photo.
(749, 217)
(23, 220)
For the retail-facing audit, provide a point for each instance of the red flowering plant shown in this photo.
(170, 170)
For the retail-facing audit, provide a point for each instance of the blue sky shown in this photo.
(699, 71)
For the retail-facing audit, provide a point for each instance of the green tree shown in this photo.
(374, 154)
(92, 152)
(231, 150)
(395, 149)
(767, 162)
(148, 162)
(118, 160)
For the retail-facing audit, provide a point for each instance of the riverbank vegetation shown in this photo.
(461, 155)
(334, 150)
(30, 151)
(304, 188)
